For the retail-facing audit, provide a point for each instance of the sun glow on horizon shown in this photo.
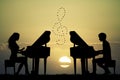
(65, 61)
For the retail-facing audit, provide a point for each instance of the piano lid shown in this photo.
(76, 39)
(43, 39)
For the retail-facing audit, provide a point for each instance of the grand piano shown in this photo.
(80, 50)
(38, 50)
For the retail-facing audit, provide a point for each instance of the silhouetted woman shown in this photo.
(12, 44)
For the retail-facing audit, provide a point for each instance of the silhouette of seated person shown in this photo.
(106, 52)
(13, 46)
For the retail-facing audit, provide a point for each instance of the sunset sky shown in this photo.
(31, 18)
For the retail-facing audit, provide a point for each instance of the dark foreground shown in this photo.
(59, 77)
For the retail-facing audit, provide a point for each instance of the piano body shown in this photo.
(80, 50)
(39, 50)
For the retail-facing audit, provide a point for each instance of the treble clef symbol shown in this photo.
(60, 30)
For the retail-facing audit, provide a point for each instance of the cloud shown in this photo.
(116, 43)
(3, 46)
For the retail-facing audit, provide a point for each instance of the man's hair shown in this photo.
(102, 35)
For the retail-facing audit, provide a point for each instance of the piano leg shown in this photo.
(33, 66)
(86, 66)
(36, 66)
(74, 65)
(94, 65)
(83, 66)
(45, 59)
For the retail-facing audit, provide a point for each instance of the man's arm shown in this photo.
(98, 52)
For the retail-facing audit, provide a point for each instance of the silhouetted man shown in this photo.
(106, 54)
(12, 44)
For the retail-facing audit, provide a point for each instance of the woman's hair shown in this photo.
(14, 37)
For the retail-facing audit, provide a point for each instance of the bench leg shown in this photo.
(114, 69)
(5, 70)
(14, 70)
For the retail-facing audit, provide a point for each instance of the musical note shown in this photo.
(58, 29)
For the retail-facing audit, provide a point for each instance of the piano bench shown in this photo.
(112, 64)
(9, 63)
